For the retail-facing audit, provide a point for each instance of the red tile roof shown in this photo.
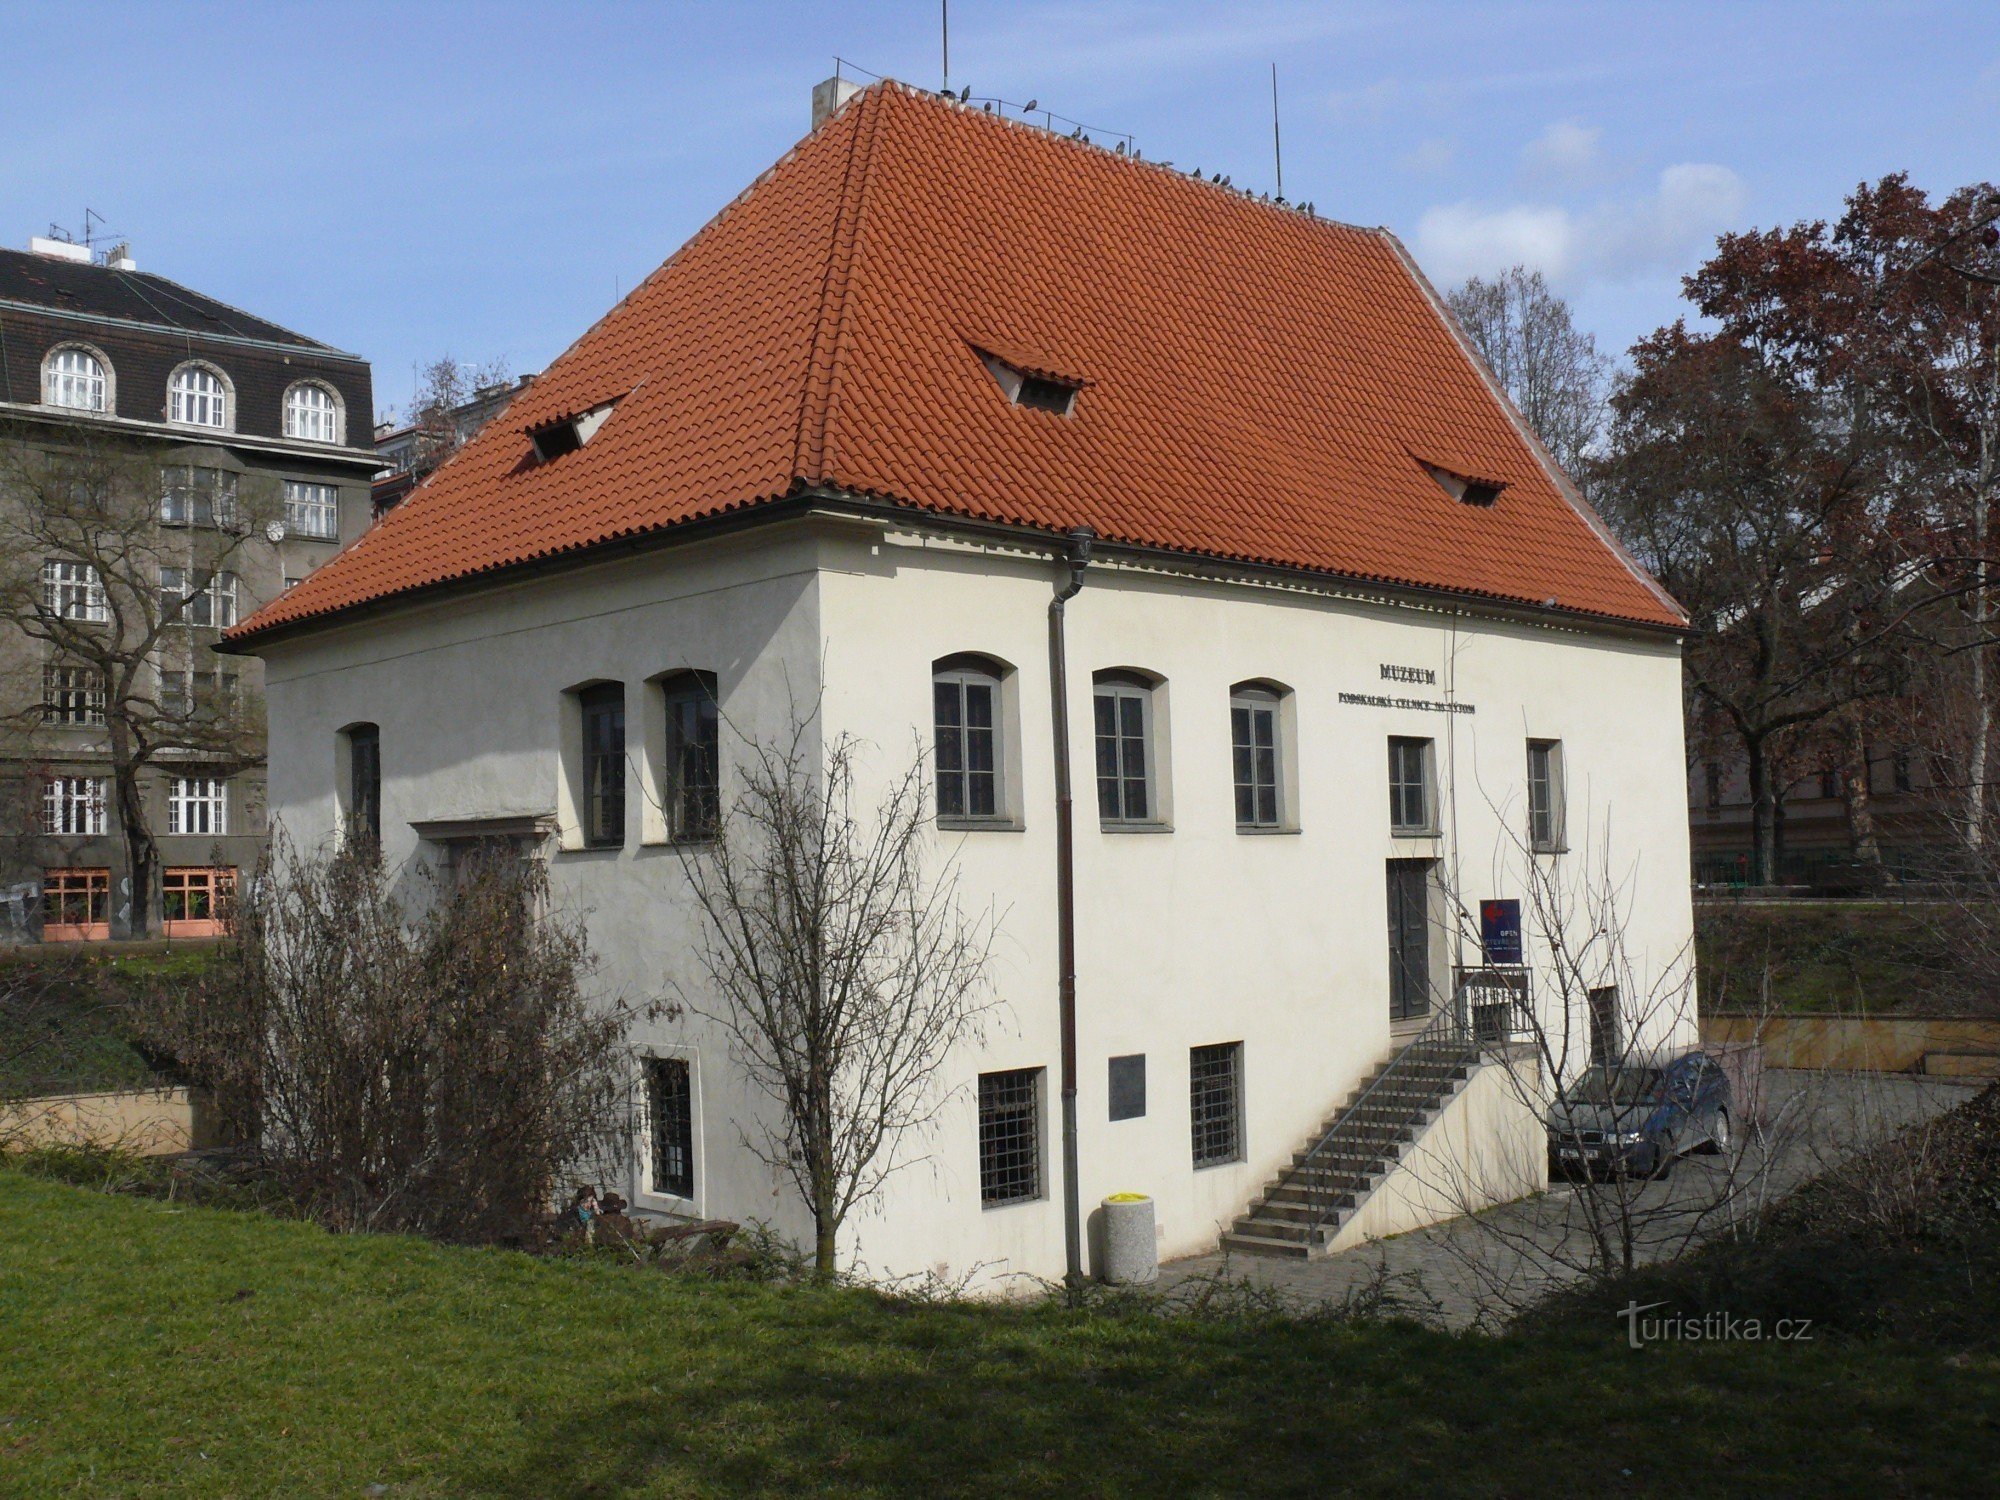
(1258, 385)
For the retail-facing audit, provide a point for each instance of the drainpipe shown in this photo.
(1077, 556)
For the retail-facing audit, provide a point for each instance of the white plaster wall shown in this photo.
(1202, 934)
(1193, 936)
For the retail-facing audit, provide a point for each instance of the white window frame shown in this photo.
(311, 421)
(312, 510)
(1546, 812)
(73, 591)
(62, 380)
(215, 606)
(72, 695)
(200, 395)
(1427, 769)
(73, 807)
(644, 1187)
(198, 805)
(185, 488)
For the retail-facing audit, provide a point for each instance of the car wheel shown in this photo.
(1718, 1135)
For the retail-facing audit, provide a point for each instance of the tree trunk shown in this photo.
(133, 908)
(1860, 802)
(1982, 709)
(1763, 814)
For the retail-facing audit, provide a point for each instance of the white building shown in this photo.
(1337, 604)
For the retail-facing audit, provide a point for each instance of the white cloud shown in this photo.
(1430, 157)
(1567, 151)
(1613, 240)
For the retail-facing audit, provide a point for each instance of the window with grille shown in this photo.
(1010, 1136)
(1412, 808)
(194, 496)
(670, 1119)
(197, 397)
(211, 604)
(76, 904)
(1215, 1102)
(312, 413)
(73, 805)
(75, 378)
(1124, 719)
(965, 699)
(364, 784)
(692, 769)
(1545, 796)
(72, 696)
(198, 804)
(72, 590)
(1253, 734)
(603, 710)
(312, 510)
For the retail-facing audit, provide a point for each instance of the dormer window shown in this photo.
(1032, 389)
(1465, 489)
(568, 433)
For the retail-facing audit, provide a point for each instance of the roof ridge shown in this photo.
(816, 393)
(1292, 210)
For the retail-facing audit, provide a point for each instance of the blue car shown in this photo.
(1636, 1117)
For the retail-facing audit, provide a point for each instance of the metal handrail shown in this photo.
(1447, 1027)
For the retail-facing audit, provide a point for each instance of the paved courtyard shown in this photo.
(1478, 1271)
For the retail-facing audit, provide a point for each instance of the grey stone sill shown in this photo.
(1258, 830)
(1135, 827)
(982, 825)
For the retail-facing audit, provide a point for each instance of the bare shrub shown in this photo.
(431, 1065)
(837, 960)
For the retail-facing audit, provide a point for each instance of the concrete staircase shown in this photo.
(1355, 1149)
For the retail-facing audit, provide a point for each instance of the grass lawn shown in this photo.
(1854, 957)
(152, 1350)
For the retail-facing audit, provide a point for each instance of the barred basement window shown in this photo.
(670, 1118)
(1010, 1136)
(1215, 1103)
(312, 510)
(72, 696)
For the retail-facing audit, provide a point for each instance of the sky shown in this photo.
(485, 179)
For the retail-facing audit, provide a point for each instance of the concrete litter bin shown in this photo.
(1131, 1249)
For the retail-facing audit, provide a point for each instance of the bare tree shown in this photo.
(444, 386)
(838, 962)
(1550, 368)
(431, 1063)
(120, 574)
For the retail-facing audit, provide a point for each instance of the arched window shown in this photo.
(692, 756)
(1127, 760)
(1257, 754)
(312, 412)
(198, 396)
(75, 377)
(968, 741)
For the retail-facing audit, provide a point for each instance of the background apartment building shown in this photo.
(235, 457)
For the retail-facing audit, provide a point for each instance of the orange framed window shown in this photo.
(194, 901)
(76, 905)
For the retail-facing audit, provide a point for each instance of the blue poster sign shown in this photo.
(1500, 931)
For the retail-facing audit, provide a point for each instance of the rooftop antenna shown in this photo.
(88, 214)
(1277, 146)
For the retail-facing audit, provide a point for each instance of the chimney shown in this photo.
(119, 257)
(56, 249)
(829, 96)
